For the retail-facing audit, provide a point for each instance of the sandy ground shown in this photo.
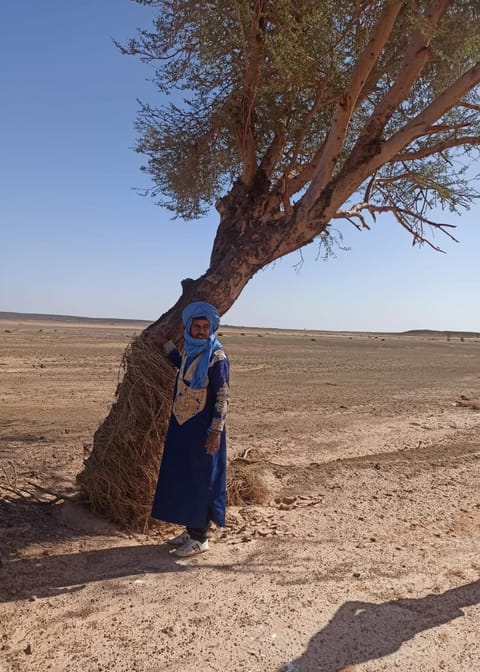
(367, 557)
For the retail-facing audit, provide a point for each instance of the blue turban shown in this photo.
(196, 346)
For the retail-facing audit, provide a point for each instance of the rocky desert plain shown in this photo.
(365, 556)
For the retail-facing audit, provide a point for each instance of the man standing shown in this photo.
(191, 488)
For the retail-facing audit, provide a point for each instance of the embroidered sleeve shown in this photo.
(173, 354)
(219, 377)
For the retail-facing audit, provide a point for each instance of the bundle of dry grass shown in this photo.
(245, 483)
(120, 474)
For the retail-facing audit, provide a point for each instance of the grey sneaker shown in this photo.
(179, 540)
(191, 547)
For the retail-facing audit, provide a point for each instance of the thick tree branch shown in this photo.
(369, 149)
(246, 125)
(327, 158)
(296, 177)
(423, 122)
(416, 57)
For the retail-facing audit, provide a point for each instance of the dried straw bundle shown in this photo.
(120, 474)
(245, 483)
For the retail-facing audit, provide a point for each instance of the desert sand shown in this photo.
(365, 558)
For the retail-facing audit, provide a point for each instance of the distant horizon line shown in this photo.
(50, 317)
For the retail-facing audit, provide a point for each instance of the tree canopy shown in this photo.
(375, 101)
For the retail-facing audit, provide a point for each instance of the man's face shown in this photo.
(200, 328)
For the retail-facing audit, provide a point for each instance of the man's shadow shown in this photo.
(363, 631)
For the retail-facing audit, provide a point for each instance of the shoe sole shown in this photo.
(189, 555)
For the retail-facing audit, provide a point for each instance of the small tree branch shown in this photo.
(401, 214)
(57, 495)
(353, 213)
(392, 178)
(273, 153)
(301, 177)
(416, 235)
(446, 128)
(471, 140)
(469, 106)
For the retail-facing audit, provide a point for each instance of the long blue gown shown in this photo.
(191, 487)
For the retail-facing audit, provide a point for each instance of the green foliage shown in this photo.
(270, 68)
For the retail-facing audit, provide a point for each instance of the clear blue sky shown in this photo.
(76, 239)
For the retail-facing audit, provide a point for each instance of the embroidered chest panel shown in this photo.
(188, 402)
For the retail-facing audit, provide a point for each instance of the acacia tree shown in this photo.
(293, 114)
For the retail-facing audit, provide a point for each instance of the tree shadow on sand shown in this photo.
(48, 576)
(24, 522)
(43, 527)
(363, 631)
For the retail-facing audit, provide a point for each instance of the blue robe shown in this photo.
(191, 487)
